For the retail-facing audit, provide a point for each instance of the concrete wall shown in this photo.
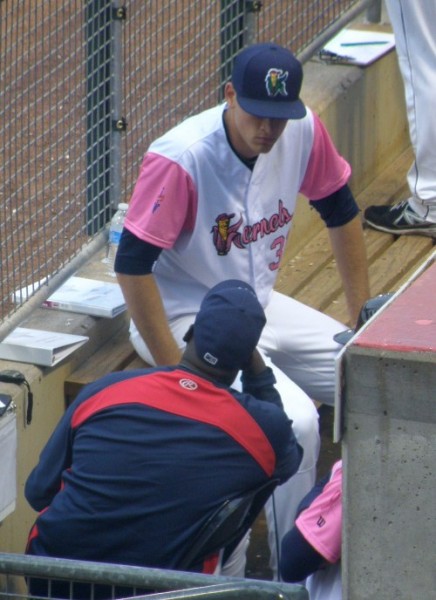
(389, 451)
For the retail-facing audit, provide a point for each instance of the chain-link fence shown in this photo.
(85, 86)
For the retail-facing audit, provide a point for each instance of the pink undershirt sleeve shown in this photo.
(327, 170)
(321, 522)
(163, 203)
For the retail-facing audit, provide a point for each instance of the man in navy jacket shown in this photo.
(141, 459)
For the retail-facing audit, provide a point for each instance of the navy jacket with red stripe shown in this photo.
(141, 459)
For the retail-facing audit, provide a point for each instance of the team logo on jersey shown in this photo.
(159, 200)
(225, 234)
(275, 82)
(321, 521)
(188, 384)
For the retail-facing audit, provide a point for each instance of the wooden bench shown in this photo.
(311, 275)
(114, 355)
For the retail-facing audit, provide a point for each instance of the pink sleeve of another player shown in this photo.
(163, 203)
(321, 522)
(327, 170)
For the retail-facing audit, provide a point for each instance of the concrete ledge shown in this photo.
(389, 454)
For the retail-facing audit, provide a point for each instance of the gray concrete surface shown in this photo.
(389, 451)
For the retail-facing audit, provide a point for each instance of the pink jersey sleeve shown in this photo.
(321, 522)
(163, 203)
(327, 170)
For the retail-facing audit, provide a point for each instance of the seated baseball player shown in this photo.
(311, 550)
(142, 459)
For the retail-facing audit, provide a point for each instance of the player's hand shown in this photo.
(257, 364)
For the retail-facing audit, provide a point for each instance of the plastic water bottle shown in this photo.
(115, 229)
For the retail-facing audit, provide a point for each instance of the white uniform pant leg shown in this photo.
(413, 24)
(280, 510)
(178, 327)
(299, 341)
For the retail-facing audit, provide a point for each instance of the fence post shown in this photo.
(238, 29)
(98, 31)
(232, 19)
(118, 122)
(252, 9)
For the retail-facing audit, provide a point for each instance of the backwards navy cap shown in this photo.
(228, 325)
(267, 79)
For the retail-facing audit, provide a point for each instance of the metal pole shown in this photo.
(159, 580)
(98, 17)
(232, 17)
(373, 12)
(252, 9)
(118, 122)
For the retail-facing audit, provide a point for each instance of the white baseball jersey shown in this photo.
(217, 219)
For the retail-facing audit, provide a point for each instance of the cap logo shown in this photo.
(210, 358)
(275, 81)
(188, 384)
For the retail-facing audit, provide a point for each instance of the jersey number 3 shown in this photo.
(279, 246)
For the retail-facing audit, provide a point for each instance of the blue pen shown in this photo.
(363, 43)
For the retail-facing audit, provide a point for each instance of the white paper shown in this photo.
(370, 45)
(39, 347)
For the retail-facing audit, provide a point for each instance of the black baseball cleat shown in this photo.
(399, 219)
(368, 310)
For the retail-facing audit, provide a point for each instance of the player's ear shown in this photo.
(189, 334)
(230, 94)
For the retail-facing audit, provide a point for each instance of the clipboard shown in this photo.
(357, 47)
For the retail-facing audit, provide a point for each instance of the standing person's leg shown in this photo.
(415, 40)
(413, 24)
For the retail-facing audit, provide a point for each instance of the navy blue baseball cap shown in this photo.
(228, 325)
(267, 79)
